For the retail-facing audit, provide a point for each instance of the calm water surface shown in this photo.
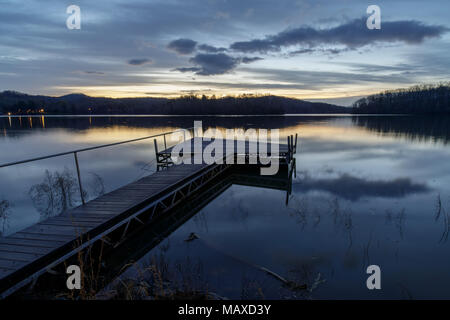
(369, 190)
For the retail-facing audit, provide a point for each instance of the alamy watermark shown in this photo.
(74, 278)
(74, 20)
(374, 280)
(374, 20)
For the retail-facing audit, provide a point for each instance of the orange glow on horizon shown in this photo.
(139, 92)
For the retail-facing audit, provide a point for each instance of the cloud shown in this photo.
(94, 72)
(301, 51)
(211, 49)
(250, 59)
(188, 69)
(317, 80)
(215, 63)
(331, 51)
(182, 46)
(139, 62)
(353, 188)
(353, 34)
(375, 68)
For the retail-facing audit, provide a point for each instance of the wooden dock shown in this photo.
(109, 219)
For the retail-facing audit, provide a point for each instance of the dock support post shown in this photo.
(79, 177)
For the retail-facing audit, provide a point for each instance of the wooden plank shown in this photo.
(43, 237)
(23, 248)
(166, 177)
(115, 202)
(19, 256)
(131, 197)
(90, 216)
(109, 198)
(113, 207)
(178, 168)
(156, 184)
(140, 189)
(112, 210)
(75, 224)
(12, 264)
(172, 170)
(56, 230)
(109, 207)
(116, 195)
(87, 211)
(31, 242)
(137, 190)
(96, 219)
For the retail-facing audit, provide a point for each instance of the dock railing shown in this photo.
(77, 151)
(292, 146)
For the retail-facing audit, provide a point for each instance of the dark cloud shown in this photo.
(353, 34)
(353, 188)
(93, 72)
(250, 59)
(329, 51)
(217, 63)
(301, 51)
(182, 46)
(139, 62)
(188, 69)
(211, 49)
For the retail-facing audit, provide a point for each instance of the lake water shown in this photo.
(369, 190)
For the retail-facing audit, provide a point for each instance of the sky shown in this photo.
(316, 50)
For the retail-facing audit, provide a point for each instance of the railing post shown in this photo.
(292, 145)
(295, 144)
(156, 154)
(289, 149)
(79, 177)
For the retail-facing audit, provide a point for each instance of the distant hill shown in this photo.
(20, 103)
(423, 99)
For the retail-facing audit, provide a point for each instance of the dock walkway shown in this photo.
(31, 252)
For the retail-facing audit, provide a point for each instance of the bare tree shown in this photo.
(55, 194)
(97, 185)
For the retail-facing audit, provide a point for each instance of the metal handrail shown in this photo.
(88, 149)
(75, 152)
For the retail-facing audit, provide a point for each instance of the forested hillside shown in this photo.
(19, 103)
(424, 99)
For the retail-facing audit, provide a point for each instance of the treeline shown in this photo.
(19, 103)
(420, 99)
